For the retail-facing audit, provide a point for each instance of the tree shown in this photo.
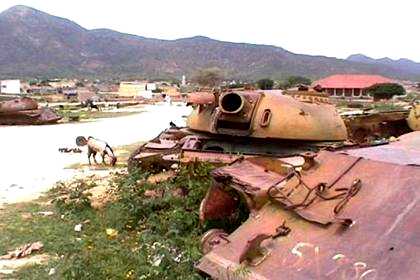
(44, 83)
(209, 77)
(265, 84)
(293, 81)
(385, 91)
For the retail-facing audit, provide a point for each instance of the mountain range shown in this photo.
(36, 44)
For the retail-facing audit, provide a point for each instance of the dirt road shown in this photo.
(29, 159)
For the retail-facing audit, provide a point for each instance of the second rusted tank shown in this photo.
(226, 125)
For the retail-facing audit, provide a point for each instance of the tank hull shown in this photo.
(324, 212)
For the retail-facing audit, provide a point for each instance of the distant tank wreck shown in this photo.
(25, 111)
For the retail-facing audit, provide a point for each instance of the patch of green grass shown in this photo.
(158, 237)
(83, 115)
(386, 106)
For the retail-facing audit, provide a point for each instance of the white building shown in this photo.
(137, 89)
(10, 86)
(151, 86)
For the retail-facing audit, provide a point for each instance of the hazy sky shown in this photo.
(337, 28)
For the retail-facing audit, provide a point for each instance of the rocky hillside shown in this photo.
(36, 44)
(403, 64)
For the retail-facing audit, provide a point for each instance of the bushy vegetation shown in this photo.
(265, 84)
(208, 77)
(153, 236)
(73, 115)
(386, 106)
(386, 91)
(293, 81)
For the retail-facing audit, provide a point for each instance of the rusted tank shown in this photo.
(227, 125)
(25, 111)
(366, 126)
(413, 119)
(16, 105)
(319, 207)
(332, 215)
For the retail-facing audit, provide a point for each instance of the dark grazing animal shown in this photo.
(90, 104)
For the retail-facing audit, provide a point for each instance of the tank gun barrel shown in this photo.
(201, 98)
(231, 102)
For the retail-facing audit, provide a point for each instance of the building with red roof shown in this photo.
(349, 85)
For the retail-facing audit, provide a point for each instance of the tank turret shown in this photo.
(266, 115)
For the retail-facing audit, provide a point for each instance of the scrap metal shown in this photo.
(368, 125)
(320, 206)
(413, 119)
(25, 111)
(344, 217)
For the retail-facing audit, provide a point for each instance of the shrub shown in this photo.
(386, 91)
(265, 84)
(209, 77)
(74, 198)
(293, 81)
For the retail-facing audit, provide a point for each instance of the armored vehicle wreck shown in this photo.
(320, 207)
(25, 111)
(225, 126)
(338, 215)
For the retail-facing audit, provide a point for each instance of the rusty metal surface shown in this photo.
(212, 238)
(29, 117)
(273, 116)
(192, 146)
(381, 242)
(409, 141)
(15, 105)
(368, 125)
(405, 151)
(210, 157)
(201, 98)
(217, 204)
(413, 119)
(162, 145)
(250, 179)
(310, 96)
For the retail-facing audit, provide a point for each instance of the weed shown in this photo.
(386, 106)
(158, 237)
(73, 198)
(242, 272)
